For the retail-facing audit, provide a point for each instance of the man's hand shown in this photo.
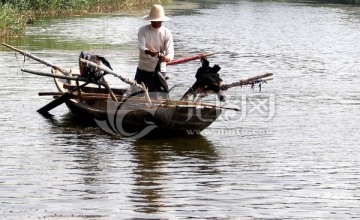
(164, 59)
(152, 53)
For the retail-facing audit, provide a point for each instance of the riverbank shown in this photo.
(16, 15)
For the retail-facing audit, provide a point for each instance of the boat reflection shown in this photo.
(81, 154)
(159, 162)
(153, 167)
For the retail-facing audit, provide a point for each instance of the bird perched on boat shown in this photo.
(207, 81)
(93, 73)
(89, 71)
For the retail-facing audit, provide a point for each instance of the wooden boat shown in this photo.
(133, 115)
(117, 112)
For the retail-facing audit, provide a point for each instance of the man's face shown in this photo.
(156, 24)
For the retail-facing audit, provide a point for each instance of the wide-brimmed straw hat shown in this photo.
(156, 14)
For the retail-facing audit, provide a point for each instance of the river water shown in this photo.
(291, 153)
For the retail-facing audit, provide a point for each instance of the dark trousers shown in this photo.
(147, 78)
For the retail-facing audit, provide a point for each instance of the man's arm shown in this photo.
(169, 48)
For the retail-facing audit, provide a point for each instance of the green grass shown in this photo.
(11, 24)
(16, 14)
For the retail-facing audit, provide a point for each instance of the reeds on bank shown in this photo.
(16, 14)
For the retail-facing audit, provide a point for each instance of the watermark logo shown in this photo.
(134, 117)
(260, 106)
(231, 132)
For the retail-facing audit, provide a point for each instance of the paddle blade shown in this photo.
(53, 104)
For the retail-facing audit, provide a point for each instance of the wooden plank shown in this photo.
(96, 89)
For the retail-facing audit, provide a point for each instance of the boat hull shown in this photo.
(134, 115)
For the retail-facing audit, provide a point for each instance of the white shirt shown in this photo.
(158, 39)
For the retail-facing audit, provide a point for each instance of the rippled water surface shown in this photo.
(291, 153)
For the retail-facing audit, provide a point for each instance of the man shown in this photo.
(152, 39)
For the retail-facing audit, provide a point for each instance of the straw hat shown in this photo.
(156, 14)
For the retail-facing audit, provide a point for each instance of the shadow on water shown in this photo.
(162, 162)
(68, 119)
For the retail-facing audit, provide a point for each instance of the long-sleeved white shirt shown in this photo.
(158, 39)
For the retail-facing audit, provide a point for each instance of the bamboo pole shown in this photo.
(38, 59)
(107, 87)
(125, 80)
(187, 59)
(65, 97)
(164, 102)
(248, 81)
(83, 94)
(78, 78)
(107, 70)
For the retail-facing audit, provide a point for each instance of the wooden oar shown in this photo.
(62, 99)
(187, 59)
(56, 102)
(38, 59)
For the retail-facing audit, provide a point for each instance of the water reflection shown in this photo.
(158, 159)
(156, 165)
(78, 144)
(68, 120)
